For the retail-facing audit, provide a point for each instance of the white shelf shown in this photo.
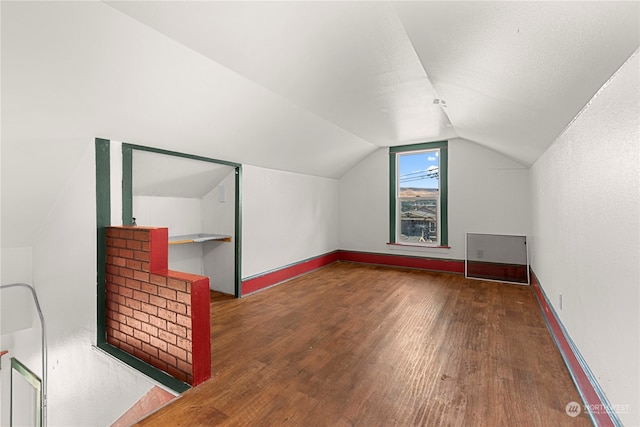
(198, 238)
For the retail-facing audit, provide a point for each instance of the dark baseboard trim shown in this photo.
(594, 399)
(279, 275)
(288, 272)
(432, 264)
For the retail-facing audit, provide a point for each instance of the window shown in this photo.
(418, 194)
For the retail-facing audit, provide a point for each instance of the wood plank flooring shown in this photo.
(360, 345)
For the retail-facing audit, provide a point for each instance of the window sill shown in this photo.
(420, 248)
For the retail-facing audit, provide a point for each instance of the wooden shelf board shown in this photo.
(198, 238)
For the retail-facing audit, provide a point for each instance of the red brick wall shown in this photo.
(158, 315)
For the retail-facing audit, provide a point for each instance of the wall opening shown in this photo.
(155, 173)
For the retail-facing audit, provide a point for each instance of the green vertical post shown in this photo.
(392, 196)
(103, 220)
(127, 185)
(238, 232)
(444, 196)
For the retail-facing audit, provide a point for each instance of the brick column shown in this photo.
(158, 315)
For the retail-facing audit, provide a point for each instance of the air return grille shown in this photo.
(497, 257)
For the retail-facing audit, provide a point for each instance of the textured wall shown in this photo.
(586, 235)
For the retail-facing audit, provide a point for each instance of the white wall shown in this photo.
(286, 218)
(85, 387)
(218, 217)
(107, 75)
(488, 193)
(218, 207)
(16, 304)
(182, 215)
(586, 235)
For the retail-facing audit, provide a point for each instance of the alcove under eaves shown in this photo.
(195, 200)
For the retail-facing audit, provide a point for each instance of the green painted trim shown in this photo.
(444, 195)
(103, 220)
(149, 370)
(32, 379)
(444, 186)
(127, 196)
(418, 147)
(127, 185)
(392, 196)
(238, 231)
(178, 154)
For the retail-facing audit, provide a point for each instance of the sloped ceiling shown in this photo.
(350, 63)
(512, 75)
(309, 87)
(169, 176)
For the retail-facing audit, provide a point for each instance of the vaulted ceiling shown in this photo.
(507, 75)
(309, 87)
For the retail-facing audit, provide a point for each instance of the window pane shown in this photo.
(418, 196)
(419, 220)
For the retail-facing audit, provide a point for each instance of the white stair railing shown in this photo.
(43, 391)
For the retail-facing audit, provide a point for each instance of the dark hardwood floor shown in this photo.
(365, 345)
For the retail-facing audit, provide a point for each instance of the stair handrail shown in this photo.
(43, 401)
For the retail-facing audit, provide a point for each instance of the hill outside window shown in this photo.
(418, 194)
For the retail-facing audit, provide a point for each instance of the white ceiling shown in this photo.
(307, 87)
(512, 74)
(350, 63)
(156, 174)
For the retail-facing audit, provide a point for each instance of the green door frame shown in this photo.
(103, 220)
(127, 196)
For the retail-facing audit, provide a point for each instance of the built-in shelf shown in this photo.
(198, 238)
